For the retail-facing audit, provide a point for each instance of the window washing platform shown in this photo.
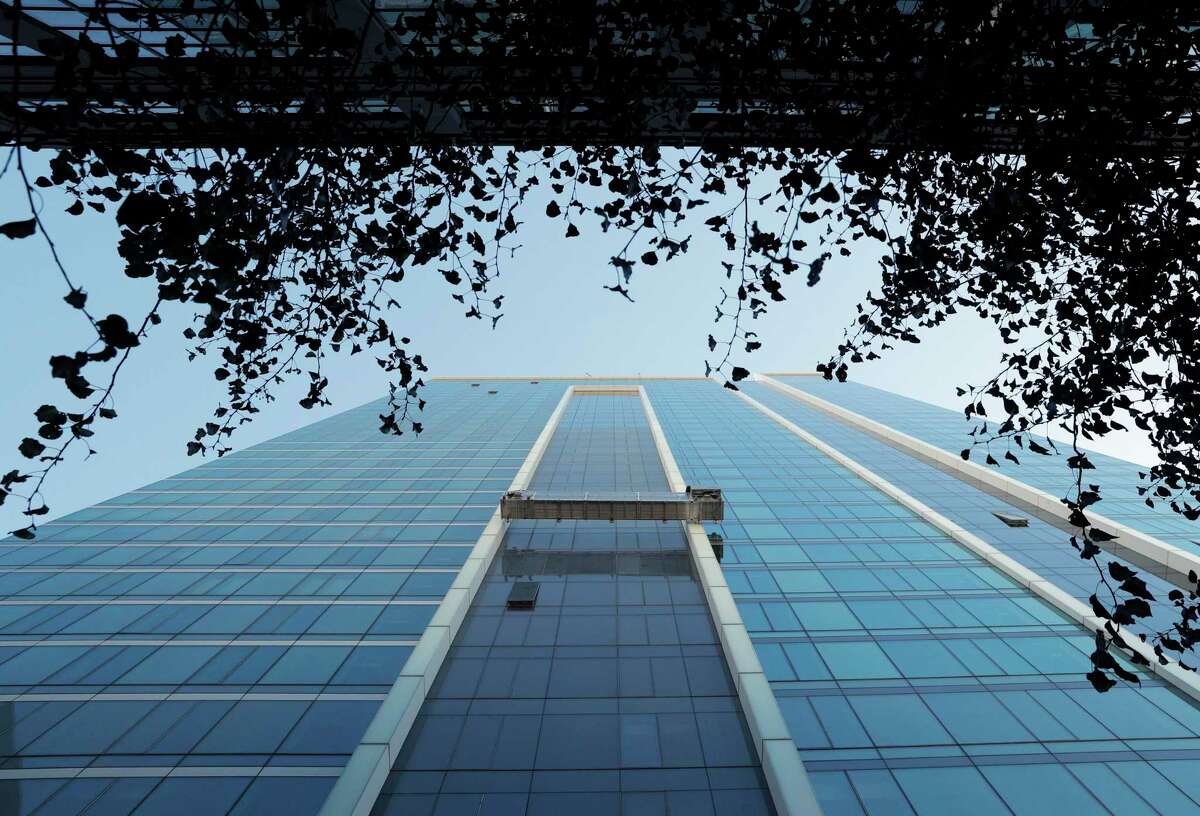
(696, 504)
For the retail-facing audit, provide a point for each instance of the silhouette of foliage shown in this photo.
(282, 165)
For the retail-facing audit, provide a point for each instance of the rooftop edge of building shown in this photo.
(570, 377)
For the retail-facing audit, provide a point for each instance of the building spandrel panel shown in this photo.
(915, 677)
(218, 641)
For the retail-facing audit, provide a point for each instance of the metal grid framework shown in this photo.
(832, 102)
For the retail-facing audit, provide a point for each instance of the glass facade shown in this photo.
(915, 677)
(219, 641)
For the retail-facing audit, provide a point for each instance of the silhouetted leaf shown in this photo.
(30, 447)
(114, 330)
(19, 229)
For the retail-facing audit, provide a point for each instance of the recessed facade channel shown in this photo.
(588, 674)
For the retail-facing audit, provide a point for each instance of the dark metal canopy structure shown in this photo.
(146, 73)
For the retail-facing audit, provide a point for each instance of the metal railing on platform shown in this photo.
(696, 504)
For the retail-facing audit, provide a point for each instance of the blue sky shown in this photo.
(558, 320)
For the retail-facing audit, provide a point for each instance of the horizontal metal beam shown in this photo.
(525, 102)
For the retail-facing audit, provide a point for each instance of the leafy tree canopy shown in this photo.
(281, 165)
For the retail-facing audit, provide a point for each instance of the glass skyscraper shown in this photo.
(340, 622)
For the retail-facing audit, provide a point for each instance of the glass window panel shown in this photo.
(202, 795)
(1037, 789)
(976, 717)
(931, 790)
(253, 727)
(898, 719)
(856, 660)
